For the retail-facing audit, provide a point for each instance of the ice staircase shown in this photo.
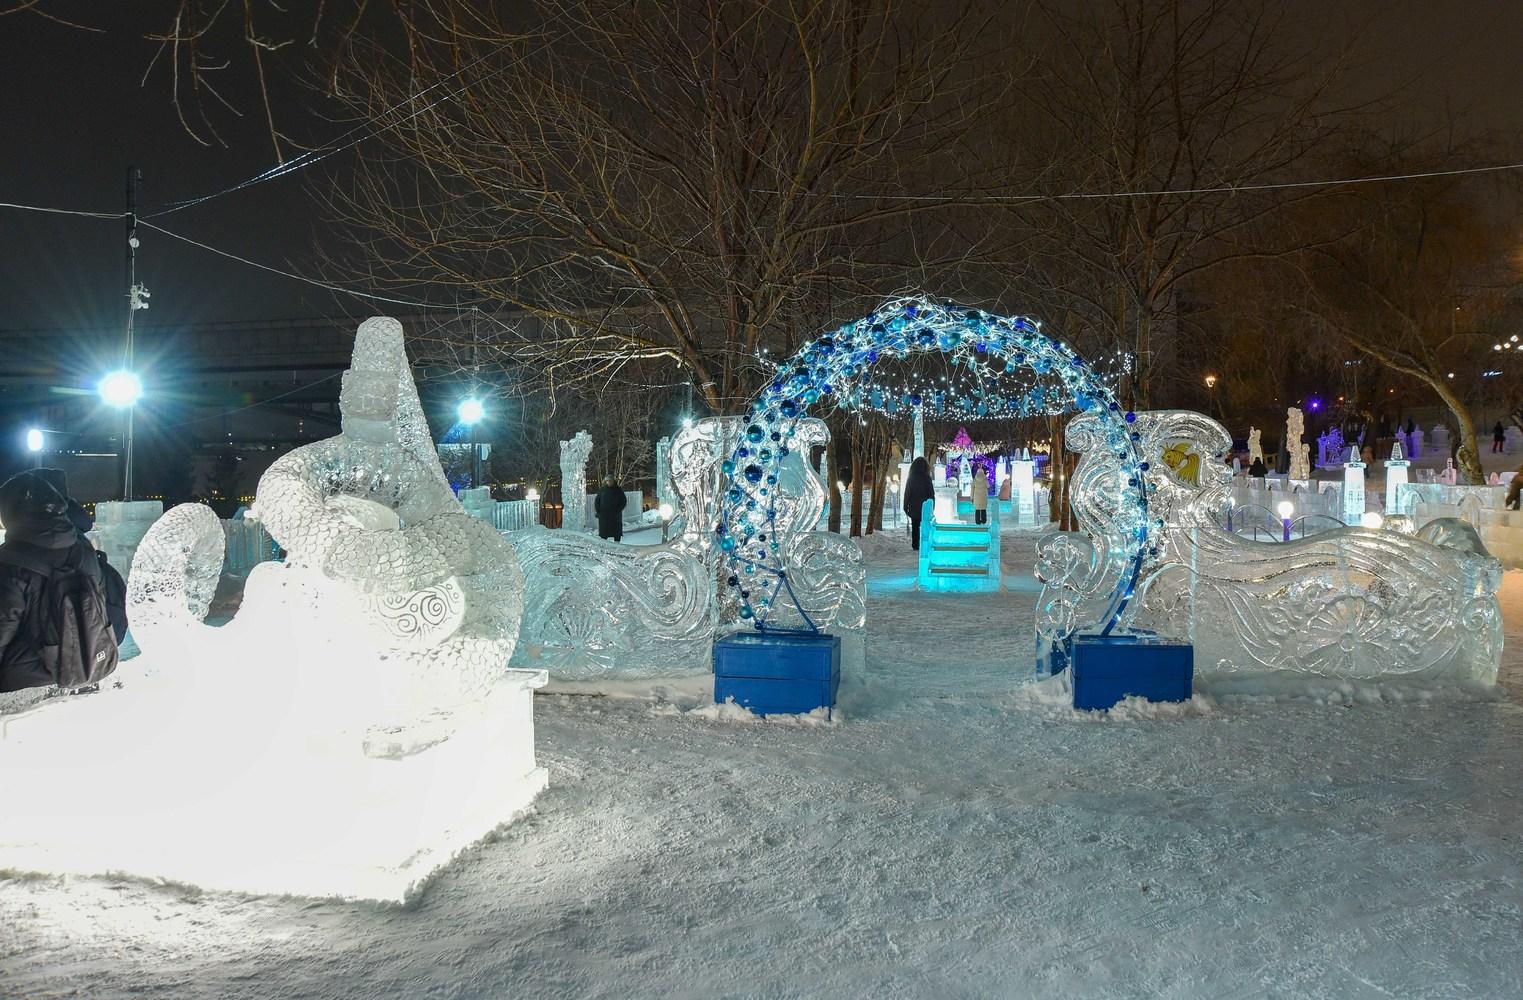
(958, 556)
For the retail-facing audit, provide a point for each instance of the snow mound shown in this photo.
(729, 711)
(1053, 698)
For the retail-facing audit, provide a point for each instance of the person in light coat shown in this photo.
(980, 495)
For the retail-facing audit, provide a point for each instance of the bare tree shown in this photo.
(1169, 113)
(1423, 266)
(659, 180)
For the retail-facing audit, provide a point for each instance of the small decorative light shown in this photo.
(666, 512)
(1285, 509)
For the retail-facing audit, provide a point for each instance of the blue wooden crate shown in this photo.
(777, 673)
(1108, 668)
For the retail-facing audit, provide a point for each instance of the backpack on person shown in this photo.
(70, 623)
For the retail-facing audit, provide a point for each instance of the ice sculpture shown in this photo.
(596, 610)
(1300, 452)
(837, 364)
(352, 728)
(1347, 604)
(1255, 448)
(574, 455)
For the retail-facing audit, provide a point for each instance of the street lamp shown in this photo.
(122, 389)
(470, 411)
(667, 512)
(1285, 509)
(34, 445)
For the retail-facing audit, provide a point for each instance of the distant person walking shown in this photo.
(1498, 438)
(609, 507)
(980, 495)
(918, 488)
(1258, 470)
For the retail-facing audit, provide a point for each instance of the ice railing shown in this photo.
(1351, 603)
(596, 609)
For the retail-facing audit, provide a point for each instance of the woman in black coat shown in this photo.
(917, 490)
(608, 505)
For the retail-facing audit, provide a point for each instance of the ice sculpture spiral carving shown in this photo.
(348, 732)
(369, 522)
(1347, 604)
(595, 608)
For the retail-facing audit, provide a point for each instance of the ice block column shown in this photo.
(919, 433)
(1023, 491)
(1353, 487)
(574, 455)
(1396, 478)
(120, 527)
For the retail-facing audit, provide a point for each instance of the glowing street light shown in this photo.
(470, 411)
(1210, 381)
(120, 388)
(34, 440)
(1285, 509)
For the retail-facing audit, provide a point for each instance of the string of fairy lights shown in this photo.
(837, 368)
(971, 384)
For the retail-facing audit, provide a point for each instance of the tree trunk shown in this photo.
(1468, 450)
(857, 461)
(834, 523)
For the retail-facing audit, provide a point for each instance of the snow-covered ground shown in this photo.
(953, 835)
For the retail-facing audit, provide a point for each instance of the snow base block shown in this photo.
(1108, 668)
(113, 784)
(774, 673)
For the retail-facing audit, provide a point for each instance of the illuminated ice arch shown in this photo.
(836, 363)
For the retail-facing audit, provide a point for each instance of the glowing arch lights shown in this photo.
(833, 368)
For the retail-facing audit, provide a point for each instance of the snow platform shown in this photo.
(774, 673)
(119, 783)
(1108, 668)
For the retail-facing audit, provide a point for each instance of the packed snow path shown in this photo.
(952, 837)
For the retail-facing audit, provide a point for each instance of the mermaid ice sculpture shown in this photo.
(352, 728)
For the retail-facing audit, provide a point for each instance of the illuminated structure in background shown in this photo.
(349, 731)
(957, 556)
(1349, 604)
(1396, 478)
(836, 367)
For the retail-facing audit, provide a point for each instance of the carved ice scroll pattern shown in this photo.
(1347, 604)
(596, 608)
(382, 562)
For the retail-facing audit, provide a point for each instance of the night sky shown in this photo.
(75, 116)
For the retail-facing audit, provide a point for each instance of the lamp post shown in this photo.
(666, 513)
(471, 412)
(1211, 388)
(122, 389)
(1285, 509)
(34, 445)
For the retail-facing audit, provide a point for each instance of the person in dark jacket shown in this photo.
(1498, 439)
(34, 508)
(1258, 470)
(609, 507)
(918, 488)
(111, 581)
